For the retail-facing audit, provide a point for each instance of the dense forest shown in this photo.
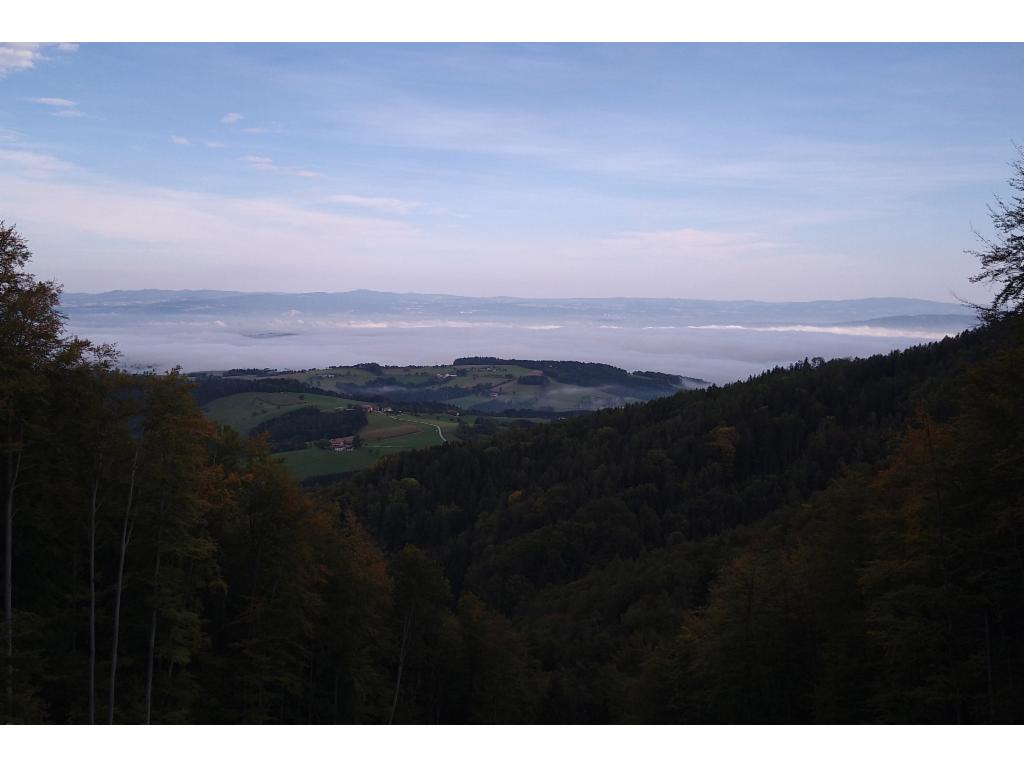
(292, 431)
(828, 542)
(209, 387)
(834, 542)
(587, 374)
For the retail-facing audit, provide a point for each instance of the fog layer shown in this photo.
(716, 341)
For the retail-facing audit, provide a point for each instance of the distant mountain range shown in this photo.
(885, 312)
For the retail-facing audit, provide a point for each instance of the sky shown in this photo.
(771, 172)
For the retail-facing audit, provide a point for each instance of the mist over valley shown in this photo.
(718, 341)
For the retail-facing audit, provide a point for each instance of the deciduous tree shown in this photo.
(1002, 258)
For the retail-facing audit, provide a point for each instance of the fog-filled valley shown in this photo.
(719, 341)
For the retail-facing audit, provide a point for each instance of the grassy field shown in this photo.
(316, 462)
(384, 433)
(246, 410)
(447, 424)
(463, 376)
(491, 388)
(404, 431)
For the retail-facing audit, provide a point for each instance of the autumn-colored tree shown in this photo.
(495, 669)
(267, 561)
(32, 343)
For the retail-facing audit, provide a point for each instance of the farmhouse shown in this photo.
(342, 444)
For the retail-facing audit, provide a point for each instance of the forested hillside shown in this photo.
(830, 542)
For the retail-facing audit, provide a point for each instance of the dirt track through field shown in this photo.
(435, 426)
(382, 433)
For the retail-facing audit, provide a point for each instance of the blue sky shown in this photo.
(711, 171)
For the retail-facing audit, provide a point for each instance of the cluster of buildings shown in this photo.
(343, 444)
(371, 408)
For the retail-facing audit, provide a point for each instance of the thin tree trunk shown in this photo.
(126, 535)
(988, 665)
(92, 602)
(309, 707)
(13, 469)
(336, 673)
(73, 599)
(8, 599)
(152, 633)
(401, 664)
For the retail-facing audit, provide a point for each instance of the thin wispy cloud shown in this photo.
(180, 140)
(382, 204)
(68, 108)
(689, 237)
(414, 122)
(232, 117)
(262, 163)
(33, 164)
(137, 226)
(51, 101)
(154, 215)
(837, 330)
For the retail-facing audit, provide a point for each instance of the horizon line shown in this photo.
(509, 297)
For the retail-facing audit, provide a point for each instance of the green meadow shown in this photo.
(246, 410)
(384, 433)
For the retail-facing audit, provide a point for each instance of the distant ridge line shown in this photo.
(356, 292)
